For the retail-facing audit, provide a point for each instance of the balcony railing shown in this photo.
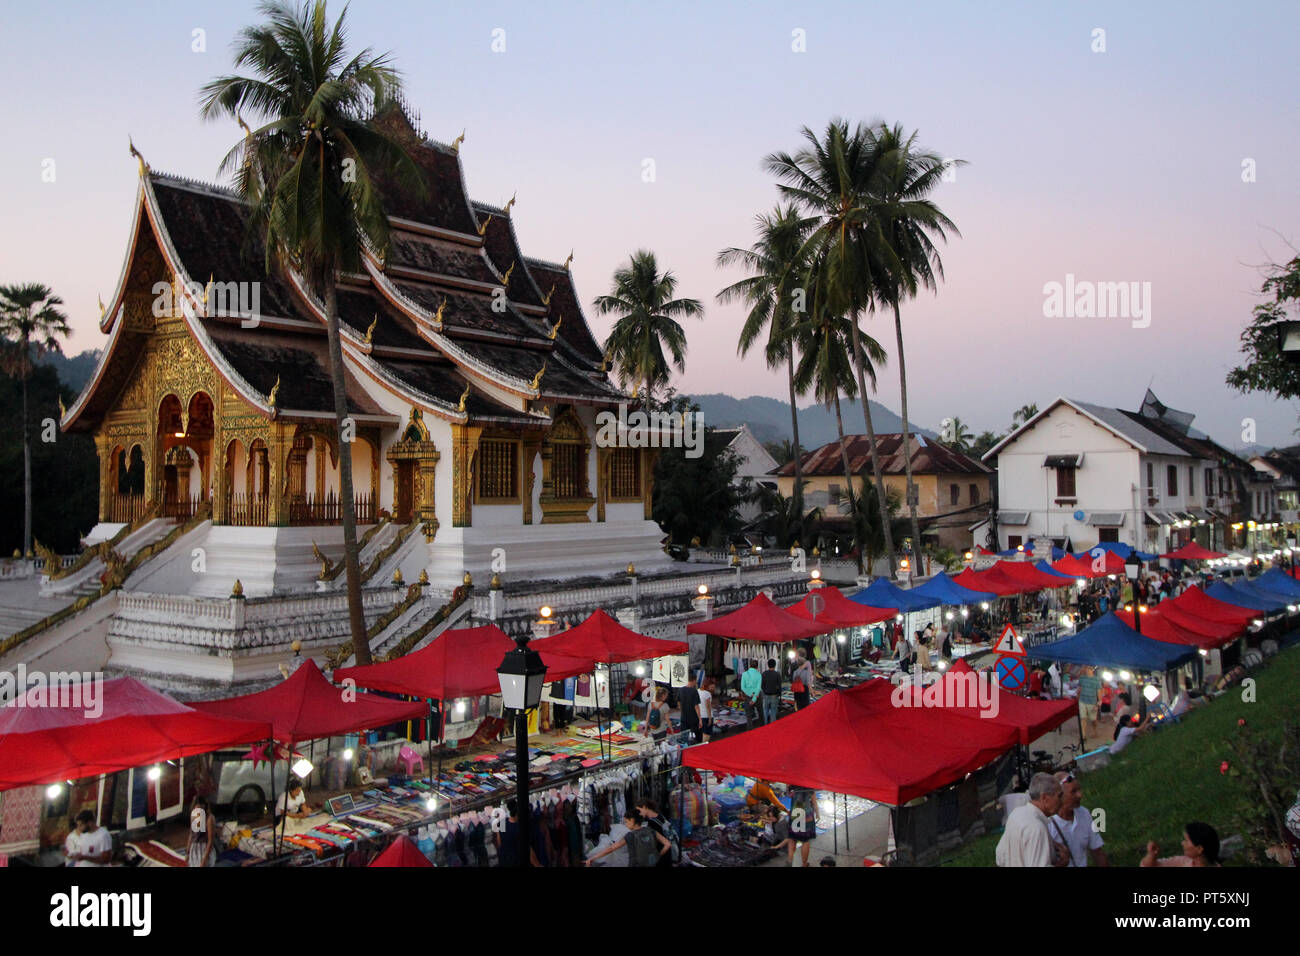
(245, 509)
(124, 509)
(181, 508)
(309, 510)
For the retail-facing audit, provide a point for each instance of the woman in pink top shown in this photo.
(1200, 848)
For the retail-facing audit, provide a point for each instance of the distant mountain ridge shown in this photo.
(74, 371)
(769, 418)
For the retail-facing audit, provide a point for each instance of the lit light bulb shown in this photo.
(640, 670)
(155, 773)
(1125, 676)
(1150, 692)
(703, 589)
(431, 804)
(816, 575)
(965, 613)
(1107, 675)
(898, 617)
(53, 790)
(984, 605)
(347, 754)
(949, 616)
(791, 655)
(546, 612)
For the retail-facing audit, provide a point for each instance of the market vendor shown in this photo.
(293, 803)
(761, 792)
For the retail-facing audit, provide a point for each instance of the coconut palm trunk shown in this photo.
(848, 482)
(351, 560)
(27, 461)
(907, 445)
(798, 454)
(876, 471)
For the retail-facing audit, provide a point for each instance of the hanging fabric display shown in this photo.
(561, 691)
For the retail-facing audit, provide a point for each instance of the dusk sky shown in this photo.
(1122, 165)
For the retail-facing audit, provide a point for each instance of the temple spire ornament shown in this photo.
(144, 167)
(546, 299)
(370, 332)
(455, 144)
(275, 393)
(510, 204)
(555, 328)
(437, 318)
(569, 261)
(537, 379)
(505, 279)
(483, 226)
(464, 397)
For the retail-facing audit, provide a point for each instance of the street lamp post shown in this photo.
(522, 675)
(1133, 569)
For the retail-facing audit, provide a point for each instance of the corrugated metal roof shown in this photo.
(928, 458)
(1121, 423)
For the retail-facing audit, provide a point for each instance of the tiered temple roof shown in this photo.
(453, 303)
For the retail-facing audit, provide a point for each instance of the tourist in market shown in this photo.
(771, 684)
(657, 720)
(640, 841)
(761, 794)
(88, 844)
(1089, 688)
(507, 838)
(649, 811)
(1200, 848)
(751, 686)
(201, 851)
(688, 702)
(707, 693)
(1026, 839)
(922, 649)
(1073, 826)
(803, 823)
(801, 680)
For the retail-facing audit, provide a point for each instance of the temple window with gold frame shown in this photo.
(624, 475)
(498, 471)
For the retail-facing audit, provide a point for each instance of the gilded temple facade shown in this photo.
(473, 387)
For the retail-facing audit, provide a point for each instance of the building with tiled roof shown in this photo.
(953, 489)
(473, 382)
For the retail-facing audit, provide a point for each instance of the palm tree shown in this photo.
(826, 368)
(307, 174)
(831, 180)
(646, 324)
(30, 321)
(865, 516)
(958, 433)
(784, 451)
(909, 221)
(770, 292)
(1023, 414)
(781, 518)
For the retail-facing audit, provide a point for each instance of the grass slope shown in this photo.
(1169, 777)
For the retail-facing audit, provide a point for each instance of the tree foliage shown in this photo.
(696, 497)
(1267, 368)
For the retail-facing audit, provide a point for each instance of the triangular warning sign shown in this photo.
(1009, 643)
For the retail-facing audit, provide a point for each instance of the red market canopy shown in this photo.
(136, 726)
(458, 663)
(1032, 577)
(857, 741)
(1089, 566)
(1029, 717)
(602, 640)
(306, 706)
(1196, 602)
(989, 579)
(761, 620)
(1194, 552)
(828, 605)
(1161, 626)
(401, 852)
(1203, 626)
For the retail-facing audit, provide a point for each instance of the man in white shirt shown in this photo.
(1073, 825)
(294, 803)
(1026, 840)
(89, 844)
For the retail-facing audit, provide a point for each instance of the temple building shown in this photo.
(473, 386)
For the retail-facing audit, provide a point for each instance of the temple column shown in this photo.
(464, 447)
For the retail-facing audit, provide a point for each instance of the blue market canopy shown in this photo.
(1123, 550)
(949, 592)
(1275, 579)
(1112, 643)
(884, 593)
(1245, 594)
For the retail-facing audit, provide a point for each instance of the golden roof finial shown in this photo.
(102, 308)
(555, 328)
(237, 590)
(208, 288)
(546, 299)
(568, 261)
(63, 412)
(505, 279)
(144, 167)
(484, 224)
(275, 392)
(437, 317)
(455, 143)
(370, 332)
(510, 204)
(464, 397)
(537, 379)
